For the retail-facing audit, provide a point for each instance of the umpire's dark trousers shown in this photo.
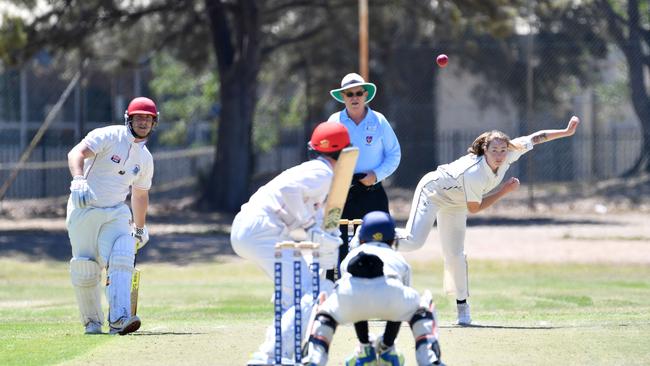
(361, 200)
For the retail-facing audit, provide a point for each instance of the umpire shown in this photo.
(379, 150)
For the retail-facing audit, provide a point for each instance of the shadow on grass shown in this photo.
(186, 248)
(183, 249)
(381, 323)
(153, 333)
(489, 326)
(526, 221)
(545, 327)
(531, 221)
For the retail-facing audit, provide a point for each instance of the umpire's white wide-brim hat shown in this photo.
(350, 81)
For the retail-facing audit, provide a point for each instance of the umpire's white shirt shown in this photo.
(118, 164)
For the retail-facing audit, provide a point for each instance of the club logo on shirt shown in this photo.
(136, 169)
(368, 140)
(116, 159)
(371, 127)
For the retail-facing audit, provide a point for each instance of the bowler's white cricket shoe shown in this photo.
(463, 314)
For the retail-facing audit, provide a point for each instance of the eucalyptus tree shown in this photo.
(628, 24)
(240, 34)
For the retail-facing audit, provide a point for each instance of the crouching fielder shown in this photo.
(468, 184)
(375, 285)
(290, 207)
(107, 164)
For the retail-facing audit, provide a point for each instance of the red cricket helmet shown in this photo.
(329, 137)
(142, 105)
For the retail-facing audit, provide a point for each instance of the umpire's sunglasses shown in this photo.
(358, 93)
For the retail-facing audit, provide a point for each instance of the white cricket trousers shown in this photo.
(93, 230)
(356, 299)
(452, 224)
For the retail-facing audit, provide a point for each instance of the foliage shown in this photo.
(185, 96)
(297, 50)
(15, 35)
(281, 105)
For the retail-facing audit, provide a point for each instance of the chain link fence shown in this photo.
(435, 112)
(47, 175)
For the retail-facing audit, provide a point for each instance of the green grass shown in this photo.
(535, 314)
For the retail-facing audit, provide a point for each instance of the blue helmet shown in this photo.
(377, 226)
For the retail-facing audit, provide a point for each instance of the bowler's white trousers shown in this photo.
(452, 224)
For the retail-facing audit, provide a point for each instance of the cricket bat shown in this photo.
(135, 284)
(343, 171)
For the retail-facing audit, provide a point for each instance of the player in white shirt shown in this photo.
(106, 165)
(468, 184)
(375, 284)
(290, 206)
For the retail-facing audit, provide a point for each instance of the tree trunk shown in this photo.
(236, 43)
(640, 99)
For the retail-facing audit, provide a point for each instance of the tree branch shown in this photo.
(221, 35)
(50, 29)
(292, 40)
(276, 11)
(615, 22)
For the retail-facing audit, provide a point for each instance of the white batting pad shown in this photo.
(120, 270)
(322, 332)
(85, 275)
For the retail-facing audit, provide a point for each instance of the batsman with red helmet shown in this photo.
(288, 206)
(107, 165)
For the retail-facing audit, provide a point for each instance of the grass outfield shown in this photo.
(533, 314)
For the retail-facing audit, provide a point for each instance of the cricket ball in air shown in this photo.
(442, 60)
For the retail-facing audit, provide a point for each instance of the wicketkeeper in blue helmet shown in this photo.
(375, 284)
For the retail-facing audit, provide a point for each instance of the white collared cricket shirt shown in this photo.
(470, 178)
(118, 164)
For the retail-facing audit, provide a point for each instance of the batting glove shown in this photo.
(141, 235)
(329, 259)
(80, 192)
(329, 245)
(328, 241)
